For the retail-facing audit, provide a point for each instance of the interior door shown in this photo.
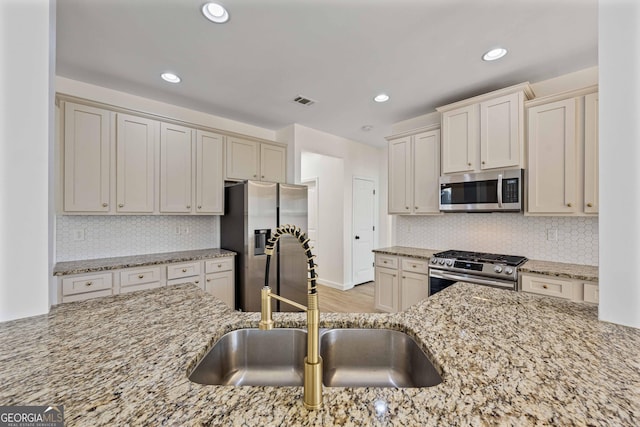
(363, 230)
(313, 202)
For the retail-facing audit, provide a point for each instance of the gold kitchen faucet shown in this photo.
(313, 361)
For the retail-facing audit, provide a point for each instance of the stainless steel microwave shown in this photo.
(492, 191)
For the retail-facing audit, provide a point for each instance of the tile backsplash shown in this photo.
(88, 237)
(506, 233)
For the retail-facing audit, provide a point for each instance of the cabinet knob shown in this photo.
(263, 176)
(208, 280)
(468, 164)
(199, 206)
(219, 265)
(415, 207)
(255, 176)
(590, 205)
(482, 163)
(413, 266)
(384, 262)
(544, 286)
(104, 205)
(197, 281)
(121, 205)
(569, 204)
(188, 206)
(88, 284)
(394, 275)
(406, 207)
(184, 270)
(140, 276)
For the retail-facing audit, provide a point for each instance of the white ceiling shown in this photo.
(423, 53)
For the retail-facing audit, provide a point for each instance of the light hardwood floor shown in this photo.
(358, 299)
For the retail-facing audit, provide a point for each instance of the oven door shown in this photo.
(440, 279)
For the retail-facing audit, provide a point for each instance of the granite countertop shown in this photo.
(560, 269)
(116, 263)
(506, 358)
(547, 268)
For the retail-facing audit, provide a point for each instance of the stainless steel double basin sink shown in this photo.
(351, 358)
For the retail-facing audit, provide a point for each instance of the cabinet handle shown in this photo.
(384, 262)
(569, 204)
(255, 176)
(199, 206)
(121, 205)
(188, 206)
(416, 208)
(184, 270)
(406, 207)
(414, 266)
(88, 284)
(404, 277)
(589, 205)
(544, 286)
(219, 265)
(468, 164)
(104, 205)
(394, 275)
(140, 276)
(262, 176)
(208, 280)
(483, 162)
(197, 281)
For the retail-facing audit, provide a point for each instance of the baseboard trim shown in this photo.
(335, 285)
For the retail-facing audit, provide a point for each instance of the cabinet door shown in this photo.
(591, 153)
(386, 290)
(459, 139)
(500, 132)
(221, 286)
(242, 159)
(87, 163)
(552, 157)
(209, 179)
(175, 169)
(426, 172)
(273, 159)
(413, 288)
(136, 144)
(400, 185)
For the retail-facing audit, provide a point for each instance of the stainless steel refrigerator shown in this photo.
(252, 210)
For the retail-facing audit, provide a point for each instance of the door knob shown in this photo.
(357, 237)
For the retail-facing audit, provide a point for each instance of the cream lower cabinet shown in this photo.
(563, 156)
(414, 171)
(220, 280)
(569, 289)
(247, 159)
(400, 282)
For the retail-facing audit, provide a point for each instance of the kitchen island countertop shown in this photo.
(507, 358)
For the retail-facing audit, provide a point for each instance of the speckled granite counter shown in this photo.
(507, 359)
(115, 263)
(548, 268)
(559, 269)
(407, 251)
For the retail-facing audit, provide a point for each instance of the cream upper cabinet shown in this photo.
(175, 169)
(247, 159)
(414, 171)
(553, 150)
(591, 172)
(87, 159)
(273, 163)
(459, 139)
(563, 155)
(485, 132)
(136, 148)
(400, 182)
(209, 177)
(501, 131)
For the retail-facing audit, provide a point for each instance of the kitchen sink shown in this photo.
(253, 357)
(374, 358)
(351, 358)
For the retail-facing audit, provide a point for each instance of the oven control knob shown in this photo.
(497, 269)
(434, 260)
(441, 262)
(508, 270)
(449, 262)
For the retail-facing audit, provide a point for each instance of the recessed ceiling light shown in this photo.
(215, 13)
(367, 128)
(494, 54)
(383, 97)
(170, 77)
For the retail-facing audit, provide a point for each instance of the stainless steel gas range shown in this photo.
(481, 268)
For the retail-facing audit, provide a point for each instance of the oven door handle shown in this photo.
(474, 279)
(499, 190)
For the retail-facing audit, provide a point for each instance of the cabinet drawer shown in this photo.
(196, 280)
(138, 276)
(87, 283)
(591, 293)
(420, 266)
(187, 269)
(387, 261)
(218, 264)
(547, 286)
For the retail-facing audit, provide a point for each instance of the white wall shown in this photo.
(330, 253)
(27, 41)
(359, 160)
(619, 44)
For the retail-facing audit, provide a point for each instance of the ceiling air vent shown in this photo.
(302, 100)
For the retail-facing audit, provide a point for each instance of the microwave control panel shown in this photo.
(510, 190)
